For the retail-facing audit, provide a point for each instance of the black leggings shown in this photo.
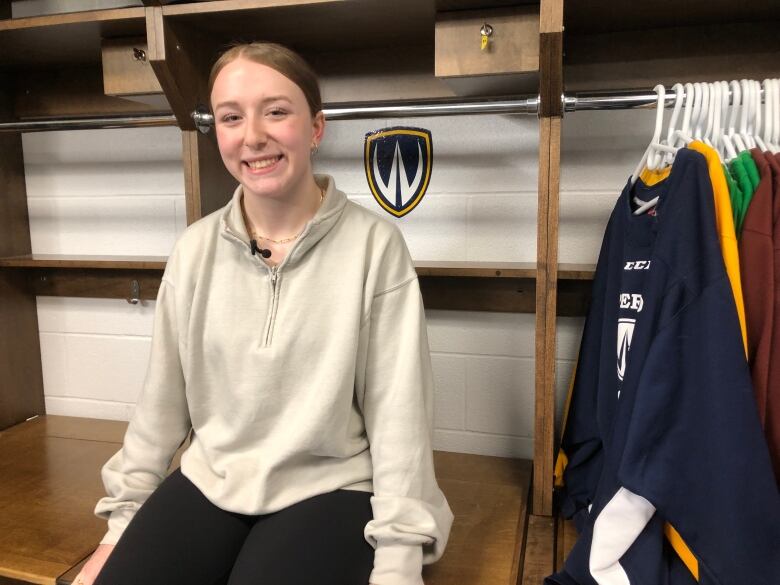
(178, 537)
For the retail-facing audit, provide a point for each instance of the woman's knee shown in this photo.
(177, 536)
(319, 540)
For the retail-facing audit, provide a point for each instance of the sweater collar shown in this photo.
(232, 222)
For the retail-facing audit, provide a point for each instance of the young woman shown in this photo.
(290, 337)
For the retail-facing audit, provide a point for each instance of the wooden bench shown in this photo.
(50, 482)
(548, 542)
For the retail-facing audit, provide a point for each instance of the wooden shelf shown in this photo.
(446, 285)
(610, 44)
(642, 59)
(65, 38)
(450, 5)
(476, 269)
(87, 276)
(387, 49)
(72, 18)
(499, 270)
(85, 261)
(598, 16)
(437, 269)
(351, 25)
(576, 271)
(508, 287)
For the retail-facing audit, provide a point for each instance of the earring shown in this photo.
(315, 147)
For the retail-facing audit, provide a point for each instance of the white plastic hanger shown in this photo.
(704, 104)
(736, 106)
(696, 108)
(743, 114)
(768, 113)
(752, 117)
(776, 118)
(717, 114)
(651, 150)
(711, 106)
(758, 118)
(729, 151)
(746, 119)
(659, 118)
(654, 150)
(679, 91)
(683, 136)
(774, 85)
(772, 123)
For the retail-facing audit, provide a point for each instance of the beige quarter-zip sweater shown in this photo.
(300, 379)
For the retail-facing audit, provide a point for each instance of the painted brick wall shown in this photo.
(122, 192)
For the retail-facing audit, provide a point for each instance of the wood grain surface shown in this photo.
(512, 48)
(546, 311)
(21, 377)
(539, 561)
(50, 482)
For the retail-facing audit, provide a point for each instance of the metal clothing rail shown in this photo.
(527, 105)
(204, 120)
(577, 102)
(85, 123)
(621, 100)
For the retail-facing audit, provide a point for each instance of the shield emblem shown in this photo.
(398, 165)
(624, 338)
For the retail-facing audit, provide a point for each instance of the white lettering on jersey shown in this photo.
(637, 265)
(632, 301)
(625, 333)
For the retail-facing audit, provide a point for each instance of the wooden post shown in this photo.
(207, 183)
(550, 112)
(21, 375)
(181, 62)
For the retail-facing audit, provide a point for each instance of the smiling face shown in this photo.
(265, 129)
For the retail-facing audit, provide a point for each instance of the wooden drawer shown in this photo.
(513, 47)
(125, 73)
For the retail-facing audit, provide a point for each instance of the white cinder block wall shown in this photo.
(122, 192)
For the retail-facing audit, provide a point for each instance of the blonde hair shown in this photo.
(285, 61)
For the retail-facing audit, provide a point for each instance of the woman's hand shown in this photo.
(91, 569)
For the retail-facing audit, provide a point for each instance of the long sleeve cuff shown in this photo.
(117, 523)
(397, 564)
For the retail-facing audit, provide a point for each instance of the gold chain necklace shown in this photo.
(284, 240)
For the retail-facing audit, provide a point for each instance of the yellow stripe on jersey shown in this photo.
(560, 466)
(682, 550)
(562, 460)
(724, 220)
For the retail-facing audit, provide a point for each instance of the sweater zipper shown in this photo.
(274, 274)
(271, 314)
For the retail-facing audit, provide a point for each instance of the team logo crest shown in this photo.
(625, 335)
(398, 165)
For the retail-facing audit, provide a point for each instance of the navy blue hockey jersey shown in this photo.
(662, 424)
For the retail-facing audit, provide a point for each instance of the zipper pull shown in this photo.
(273, 276)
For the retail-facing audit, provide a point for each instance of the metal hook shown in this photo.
(486, 30)
(203, 119)
(139, 54)
(135, 292)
